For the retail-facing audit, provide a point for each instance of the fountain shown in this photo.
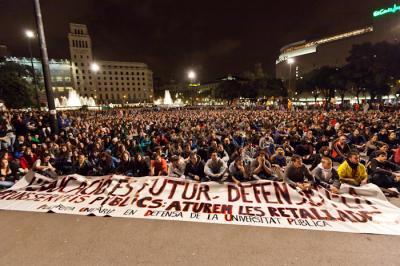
(167, 102)
(74, 101)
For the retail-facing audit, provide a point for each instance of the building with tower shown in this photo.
(106, 81)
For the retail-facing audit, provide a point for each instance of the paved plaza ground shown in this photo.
(52, 239)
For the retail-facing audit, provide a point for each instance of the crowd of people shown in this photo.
(304, 149)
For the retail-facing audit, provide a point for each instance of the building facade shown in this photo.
(60, 71)
(299, 58)
(106, 81)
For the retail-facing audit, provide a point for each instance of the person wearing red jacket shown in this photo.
(27, 159)
(158, 166)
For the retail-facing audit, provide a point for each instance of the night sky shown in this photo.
(213, 37)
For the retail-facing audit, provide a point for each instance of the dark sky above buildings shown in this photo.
(215, 37)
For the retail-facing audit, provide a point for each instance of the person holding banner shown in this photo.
(326, 176)
(297, 175)
(215, 168)
(352, 172)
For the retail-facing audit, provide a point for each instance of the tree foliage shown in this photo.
(15, 90)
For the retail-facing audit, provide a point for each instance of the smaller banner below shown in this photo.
(262, 203)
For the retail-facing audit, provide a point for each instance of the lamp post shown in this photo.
(290, 61)
(94, 67)
(31, 35)
(191, 76)
(46, 68)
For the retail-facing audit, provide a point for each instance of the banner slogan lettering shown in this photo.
(262, 203)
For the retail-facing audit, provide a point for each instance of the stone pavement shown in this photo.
(53, 239)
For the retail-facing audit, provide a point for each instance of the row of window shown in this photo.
(79, 31)
(80, 44)
(111, 83)
(116, 89)
(128, 97)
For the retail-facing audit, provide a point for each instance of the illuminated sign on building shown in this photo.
(394, 9)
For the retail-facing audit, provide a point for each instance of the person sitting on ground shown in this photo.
(357, 140)
(194, 169)
(279, 157)
(316, 158)
(177, 167)
(372, 145)
(27, 160)
(326, 176)
(107, 164)
(239, 172)
(383, 148)
(222, 153)
(339, 149)
(215, 168)
(7, 175)
(384, 173)
(125, 166)
(44, 167)
(140, 166)
(261, 168)
(297, 174)
(82, 166)
(351, 171)
(158, 166)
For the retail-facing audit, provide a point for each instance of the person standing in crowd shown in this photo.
(297, 175)
(326, 176)
(352, 172)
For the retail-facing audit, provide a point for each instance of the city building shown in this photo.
(299, 58)
(60, 72)
(106, 81)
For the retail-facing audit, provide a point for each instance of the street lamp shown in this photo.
(290, 61)
(31, 35)
(191, 76)
(94, 67)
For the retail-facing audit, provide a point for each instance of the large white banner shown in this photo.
(262, 203)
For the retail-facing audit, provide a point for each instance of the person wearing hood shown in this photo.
(194, 169)
(326, 176)
(352, 172)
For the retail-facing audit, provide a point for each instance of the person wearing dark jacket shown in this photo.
(141, 166)
(125, 166)
(298, 175)
(384, 173)
(82, 166)
(194, 169)
(326, 176)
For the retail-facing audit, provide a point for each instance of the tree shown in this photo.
(15, 90)
(319, 81)
(373, 67)
(228, 90)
